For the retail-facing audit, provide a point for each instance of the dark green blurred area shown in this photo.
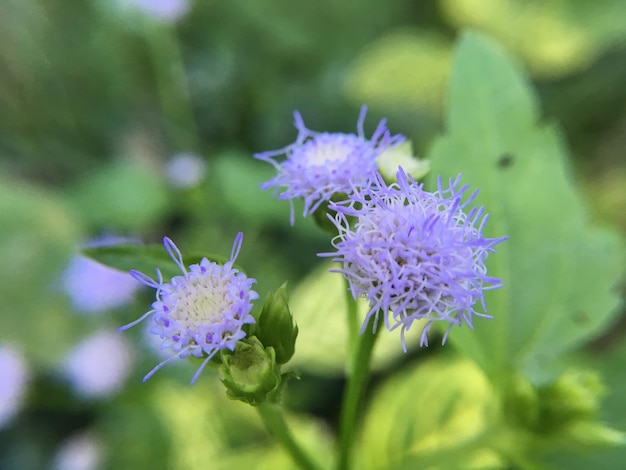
(95, 100)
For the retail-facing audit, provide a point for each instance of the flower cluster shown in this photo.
(320, 164)
(414, 254)
(201, 312)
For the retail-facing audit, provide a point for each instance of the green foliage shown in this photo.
(145, 258)
(128, 196)
(609, 364)
(238, 178)
(559, 272)
(207, 430)
(37, 238)
(418, 64)
(437, 414)
(553, 37)
(84, 83)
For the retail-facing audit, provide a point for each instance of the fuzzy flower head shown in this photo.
(201, 312)
(414, 254)
(320, 164)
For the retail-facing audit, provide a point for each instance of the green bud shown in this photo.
(521, 404)
(594, 434)
(401, 155)
(575, 396)
(275, 327)
(251, 374)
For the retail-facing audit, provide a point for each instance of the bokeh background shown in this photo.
(129, 120)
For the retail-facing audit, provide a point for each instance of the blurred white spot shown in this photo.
(80, 452)
(168, 11)
(14, 377)
(185, 170)
(99, 365)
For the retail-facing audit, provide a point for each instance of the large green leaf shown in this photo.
(559, 272)
(437, 414)
(226, 433)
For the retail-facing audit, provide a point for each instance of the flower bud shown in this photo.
(250, 374)
(521, 404)
(275, 327)
(575, 396)
(589, 433)
(401, 156)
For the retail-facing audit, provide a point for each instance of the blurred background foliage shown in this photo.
(98, 100)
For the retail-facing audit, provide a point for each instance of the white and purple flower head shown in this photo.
(414, 254)
(201, 312)
(321, 164)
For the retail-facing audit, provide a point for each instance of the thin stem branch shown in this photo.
(275, 422)
(357, 378)
(353, 324)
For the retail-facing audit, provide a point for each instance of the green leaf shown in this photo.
(228, 434)
(145, 258)
(124, 195)
(435, 414)
(559, 272)
(239, 177)
(416, 62)
(318, 305)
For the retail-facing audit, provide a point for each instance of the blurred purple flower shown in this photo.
(167, 11)
(201, 312)
(185, 170)
(414, 254)
(94, 287)
(99, 365)
(320, 164)
(14, 377)
(80, 452)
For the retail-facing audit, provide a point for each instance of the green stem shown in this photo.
(172, 86)
(353, 324)
(275, 422)
(357, 377)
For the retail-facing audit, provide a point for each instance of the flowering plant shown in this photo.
(414, 255)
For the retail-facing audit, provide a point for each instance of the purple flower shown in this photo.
(201, 312)
(414, 254)
(320, 164)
